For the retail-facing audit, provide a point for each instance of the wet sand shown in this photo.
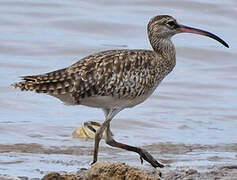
(189, 123)
(181, 161)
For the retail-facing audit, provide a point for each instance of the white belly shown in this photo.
(114, 102)
(107, 102)
(104, 102)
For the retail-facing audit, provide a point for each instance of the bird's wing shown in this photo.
(121, 73)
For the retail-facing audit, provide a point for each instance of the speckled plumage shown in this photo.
(122, 74)
(116, 79)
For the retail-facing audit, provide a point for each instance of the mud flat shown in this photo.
(121, 171)
(182, 162)
(117, 171)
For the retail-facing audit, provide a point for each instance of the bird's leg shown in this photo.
(144, 155)
(109, 114)
(98, 136)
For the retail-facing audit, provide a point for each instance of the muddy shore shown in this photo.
(117, 171)
(182, 161)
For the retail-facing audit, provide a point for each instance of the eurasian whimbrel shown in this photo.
(116, 79)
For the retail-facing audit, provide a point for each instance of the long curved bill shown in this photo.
(187, 29)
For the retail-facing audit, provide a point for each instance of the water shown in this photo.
(195, 104)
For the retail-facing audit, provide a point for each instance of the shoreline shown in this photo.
(181, 160)
(117, 171)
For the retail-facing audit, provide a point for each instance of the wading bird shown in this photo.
(116, 79)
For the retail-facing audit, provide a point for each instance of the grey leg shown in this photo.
(143, 153)
(109, 114)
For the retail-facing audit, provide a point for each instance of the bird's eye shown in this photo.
(171, 24)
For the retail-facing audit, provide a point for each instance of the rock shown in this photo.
(57, 176)
(116, 171)
(52, 176)
(104, 171)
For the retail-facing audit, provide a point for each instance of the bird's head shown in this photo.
(164, 27)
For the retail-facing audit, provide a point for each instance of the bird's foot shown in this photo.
(148, 157)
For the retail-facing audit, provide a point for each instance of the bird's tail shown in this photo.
(56, 82)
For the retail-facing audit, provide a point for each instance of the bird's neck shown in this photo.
(165, 48)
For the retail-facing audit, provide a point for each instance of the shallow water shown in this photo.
(195, 104)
